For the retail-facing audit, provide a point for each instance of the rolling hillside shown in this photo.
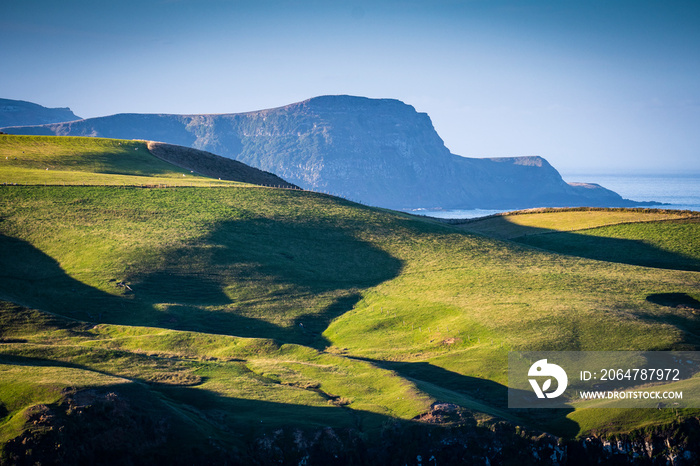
(230, 322)
(96, 161)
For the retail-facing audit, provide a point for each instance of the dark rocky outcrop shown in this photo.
(129, 425)
(21, 113)
(376, 151)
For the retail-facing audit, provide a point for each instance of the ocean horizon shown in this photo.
(674, 191)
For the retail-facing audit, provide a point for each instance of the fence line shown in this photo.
(155, 186)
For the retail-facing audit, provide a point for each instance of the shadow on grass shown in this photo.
(238, 409)
(150, 423)
(677, 300)
(301, 274)
(31, 277)
(624, 251)
(157, 423)
(682, 313)
(485, 391)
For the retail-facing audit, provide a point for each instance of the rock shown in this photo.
(380, 152)
(21, 113)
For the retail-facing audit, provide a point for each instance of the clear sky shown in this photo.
(591, 85)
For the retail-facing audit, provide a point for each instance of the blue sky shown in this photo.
(593, 86)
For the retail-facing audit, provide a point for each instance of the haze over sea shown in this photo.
(676, 191)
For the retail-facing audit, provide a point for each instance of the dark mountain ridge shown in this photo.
(19, 112)
(377, 151)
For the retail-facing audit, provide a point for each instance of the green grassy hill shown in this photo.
(233, 311)
(45, 160)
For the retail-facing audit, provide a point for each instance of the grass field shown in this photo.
(223, 302)
(45, 160)
(512, 225)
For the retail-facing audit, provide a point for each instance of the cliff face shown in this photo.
(20, 113)
(377, 151)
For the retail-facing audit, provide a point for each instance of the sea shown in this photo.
(675, 191)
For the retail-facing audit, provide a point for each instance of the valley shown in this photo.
(233, 315)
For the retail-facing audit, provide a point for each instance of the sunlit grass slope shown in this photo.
(91, 161)
(327, 309)
(631, 236)
(437, 307)
(246, 377)
(673, 244)
(536, 221)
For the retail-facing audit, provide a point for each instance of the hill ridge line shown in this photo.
(213, 166)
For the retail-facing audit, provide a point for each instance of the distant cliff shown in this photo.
(21, 113)
(377, 151)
